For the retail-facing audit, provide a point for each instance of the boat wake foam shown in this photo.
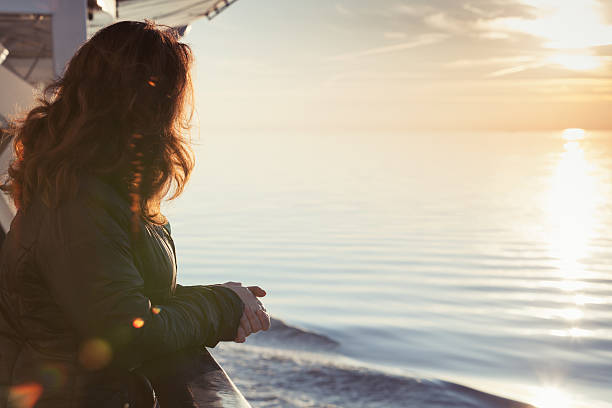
(292, 367)
(282, 335)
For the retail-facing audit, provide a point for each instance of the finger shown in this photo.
(264, 319)
(246, 325)
(249, 299)
(233, 283)
(257, 291)
(240, 335)
(253, 320)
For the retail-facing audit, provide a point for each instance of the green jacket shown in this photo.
(85, 298)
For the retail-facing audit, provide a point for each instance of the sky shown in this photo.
(404, 65)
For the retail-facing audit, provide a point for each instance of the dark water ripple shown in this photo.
(280, 376)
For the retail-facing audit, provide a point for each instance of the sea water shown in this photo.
(410, 270)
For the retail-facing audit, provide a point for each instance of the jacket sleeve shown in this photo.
(85, 257)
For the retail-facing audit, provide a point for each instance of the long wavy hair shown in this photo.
(118, 112)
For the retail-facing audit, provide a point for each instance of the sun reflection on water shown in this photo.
(571, 204)
(572, 201)
(573, 332)
(551, 397)
(573, 134)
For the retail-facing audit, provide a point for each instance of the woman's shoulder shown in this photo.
(96, 202)
(100, 188)
(95, 211)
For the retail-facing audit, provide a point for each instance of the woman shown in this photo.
(88, 289)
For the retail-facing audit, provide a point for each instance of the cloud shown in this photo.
(359, 77)
(443, 21)
(472, 19)
(515, 69)
(474, 9)
(410, 10)
(421, 40)
(395, 35)
(343, 10)
(603, 50)
(566, 62)
(494, 35)
(562, 24)
(524, 63)
(606, 6)
(470, 63)
(492, 38)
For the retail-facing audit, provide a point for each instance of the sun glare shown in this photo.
(550, 397)
(566, 24)
(572, 201)
(577, 62)
(573, 134)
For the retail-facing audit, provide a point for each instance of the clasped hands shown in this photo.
(255, 317)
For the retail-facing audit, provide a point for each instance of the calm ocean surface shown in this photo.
(406, 266)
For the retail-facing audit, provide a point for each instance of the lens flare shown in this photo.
(153, 81)
(53, 375)
(24, 395)
(138, 322)
(95, 354)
